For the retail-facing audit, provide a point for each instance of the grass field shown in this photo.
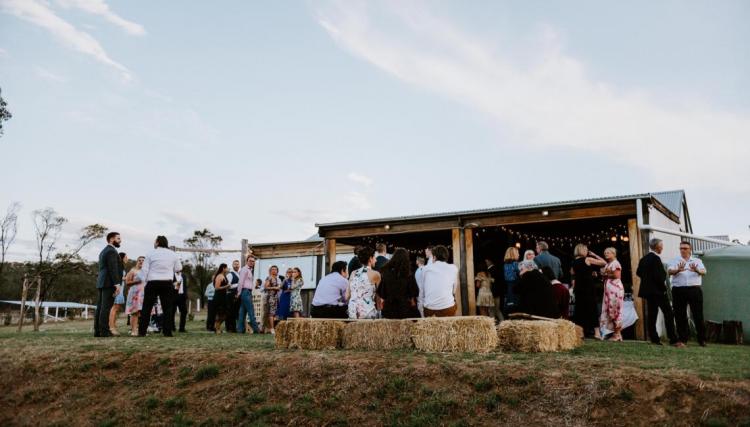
(64, 376)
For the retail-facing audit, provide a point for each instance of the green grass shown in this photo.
(75, 337)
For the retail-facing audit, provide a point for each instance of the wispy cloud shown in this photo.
(100, 8)
(548, 99)
(40, 14)
(49, 75)
(360, 179)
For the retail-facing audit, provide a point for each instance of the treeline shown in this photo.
(74, 286)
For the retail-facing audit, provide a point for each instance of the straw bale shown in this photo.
(381, 334)
(528, 336)
(568, 336)
(309, 334)
(455, 334)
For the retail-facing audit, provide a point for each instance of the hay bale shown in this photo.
(568, 336)
(381, 334)
(528, 336)
(455, 334)
(309, 334)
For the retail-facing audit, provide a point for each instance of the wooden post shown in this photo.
(37, 301)
(24, 295)
(469, 262)
(330, 254)
(636, 252)
(243, 252)
(456, 237)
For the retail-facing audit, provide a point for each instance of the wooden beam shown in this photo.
(330, 254)
(456, 238)
(636, 252)
(370, 230)
(555, 215)
(487, 220)
(469, 244)
(284, 250)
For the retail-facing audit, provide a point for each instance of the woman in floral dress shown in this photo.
(614, 294)
(295, 307)
(272, 286)
(363, 283)
(135, 287)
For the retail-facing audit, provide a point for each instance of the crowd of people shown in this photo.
(375, 284)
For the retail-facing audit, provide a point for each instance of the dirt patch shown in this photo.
(270, 387)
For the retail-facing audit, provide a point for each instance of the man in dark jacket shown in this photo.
(654, 290)
(546, 259)
(110, 275)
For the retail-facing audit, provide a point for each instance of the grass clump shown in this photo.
(206, 373)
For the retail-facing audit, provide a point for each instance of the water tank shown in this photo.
(726, 286)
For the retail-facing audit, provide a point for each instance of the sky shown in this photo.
(258, 119)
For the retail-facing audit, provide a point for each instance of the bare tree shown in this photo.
(8, 229)
(4, 113)
(51, 264)
(203, 261)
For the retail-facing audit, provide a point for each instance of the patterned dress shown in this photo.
(296, 304)
(135, 295)
(272, 296)
(362, 299)
(614, 294)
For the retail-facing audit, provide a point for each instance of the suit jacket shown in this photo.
(653, 276)
(110, 268)
(546, 259)
(536, 295)
(380, 261)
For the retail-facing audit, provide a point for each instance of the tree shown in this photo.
(52, 264)
(203, 260)
(8, 229)
(4, 113)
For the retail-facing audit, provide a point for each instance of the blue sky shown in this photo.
(258, 119)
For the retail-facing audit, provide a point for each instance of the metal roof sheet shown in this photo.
(670, 201)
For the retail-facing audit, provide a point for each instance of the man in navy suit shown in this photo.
(110, 275)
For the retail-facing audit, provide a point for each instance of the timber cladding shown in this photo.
(448, 221)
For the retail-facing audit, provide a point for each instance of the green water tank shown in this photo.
(726, 286)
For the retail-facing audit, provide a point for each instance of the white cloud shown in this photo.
(40, 14)
(360, 179)
(100, 8)
(548, 99)
(49, 75)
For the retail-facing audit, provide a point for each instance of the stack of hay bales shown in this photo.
(381, 334)
(530, 336)
(309, 334)
(455, 334)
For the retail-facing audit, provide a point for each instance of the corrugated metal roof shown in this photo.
(671, 200)
(670, 197)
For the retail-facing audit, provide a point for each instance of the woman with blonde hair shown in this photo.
(134, 303)
(510, 270)
(295, 305)
(614, 294)
(583, 270)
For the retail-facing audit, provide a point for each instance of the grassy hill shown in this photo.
(64, 376)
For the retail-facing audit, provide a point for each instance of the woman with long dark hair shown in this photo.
(221, 284)
(398, 288)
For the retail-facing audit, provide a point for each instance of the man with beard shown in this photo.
(110, 275)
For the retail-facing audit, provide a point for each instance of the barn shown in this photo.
(624, 222)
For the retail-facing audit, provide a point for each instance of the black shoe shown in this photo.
(657, 343)
(183, 331)
(702, 343)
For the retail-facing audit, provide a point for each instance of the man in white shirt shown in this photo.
(419, 277)
(159, 271)
(439, 285)
(687, 274)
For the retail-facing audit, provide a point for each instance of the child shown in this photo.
(485, 300)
